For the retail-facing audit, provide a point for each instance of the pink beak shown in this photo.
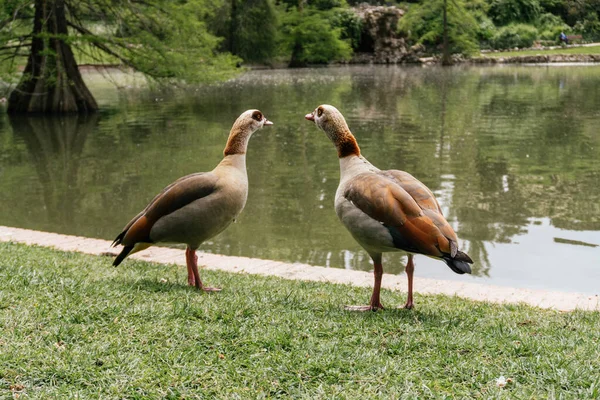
(267, 122)
(310, 117)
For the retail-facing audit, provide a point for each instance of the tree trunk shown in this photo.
(446, 59)
(51, 82)
(233, 27)
(295, 61)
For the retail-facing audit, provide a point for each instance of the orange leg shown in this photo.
(189, 261)
(410, 269)
(193, 275)
(375, 303)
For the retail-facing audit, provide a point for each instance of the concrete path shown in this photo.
(563, 301)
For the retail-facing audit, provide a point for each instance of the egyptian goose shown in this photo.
(198, 206)
(386, 210)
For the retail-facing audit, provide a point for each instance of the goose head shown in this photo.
(331, 121)
(247, 123)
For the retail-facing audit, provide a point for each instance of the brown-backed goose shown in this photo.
(198, 206)
(386, 210)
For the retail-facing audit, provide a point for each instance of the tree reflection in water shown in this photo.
(512, 153)
(55, 146)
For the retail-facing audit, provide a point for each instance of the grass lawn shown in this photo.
(73, 326)
(570, 50)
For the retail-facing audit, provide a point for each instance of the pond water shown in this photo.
(512, 153)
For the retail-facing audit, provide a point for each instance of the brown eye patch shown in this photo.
(319, 111)
(257, 115)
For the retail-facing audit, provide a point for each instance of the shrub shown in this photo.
(505, 12)
(550, 26)
(423, 24)
(516, 35)
(589, 27)
(310, 37)
(549, 21)
(553, 33)
(350, 24)
(486, 32)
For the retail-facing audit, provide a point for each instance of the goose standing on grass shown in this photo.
(198, 206)
(386, 210)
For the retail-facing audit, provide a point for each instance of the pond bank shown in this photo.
(563, 301)
(538, 59)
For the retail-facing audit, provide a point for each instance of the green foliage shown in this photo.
(424, 23)
(487, 29)
(515, 35)
(550, 26)
(589, 27)
(504, 12)
(248, 28)
(548, 20)
(556, 7)
(324, 5)
(553, 33)
(255, 30)
(160, 38)
(350, 24)
(309, 36)
(579, 11)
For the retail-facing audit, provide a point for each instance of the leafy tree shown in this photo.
(351, 26)
(504, 12)
(310, 36)
(550, 26)
(161, 38)
(589, 27)
(579, 11)
(249, 28)
(453, 24)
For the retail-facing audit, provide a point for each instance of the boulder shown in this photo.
(381, 43)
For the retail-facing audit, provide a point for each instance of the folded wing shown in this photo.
(408, 209)
(180, 193)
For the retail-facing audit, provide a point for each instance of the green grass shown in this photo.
(570, 50)
(73, 326)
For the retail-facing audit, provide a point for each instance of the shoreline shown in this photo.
(562, 301)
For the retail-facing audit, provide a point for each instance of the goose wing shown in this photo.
(407, 208)
(180, 193)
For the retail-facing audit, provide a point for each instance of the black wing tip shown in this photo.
(460, 263)
(119, 239)
(461, 256)
(124, 253)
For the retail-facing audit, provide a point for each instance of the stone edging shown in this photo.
(538, 59)
(563, 301)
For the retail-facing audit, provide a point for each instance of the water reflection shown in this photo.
(512, 154)
(55, 145)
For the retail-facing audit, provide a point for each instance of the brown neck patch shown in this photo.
(347, 146)
(236, 144)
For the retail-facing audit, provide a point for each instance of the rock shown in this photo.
(381, 43)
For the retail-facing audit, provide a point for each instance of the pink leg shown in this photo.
(410, 269)
(192, 263)
(375, 303)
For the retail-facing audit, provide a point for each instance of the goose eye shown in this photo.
(319, 112)
(257, 116)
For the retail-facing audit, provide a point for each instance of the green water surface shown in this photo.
(512, 154)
